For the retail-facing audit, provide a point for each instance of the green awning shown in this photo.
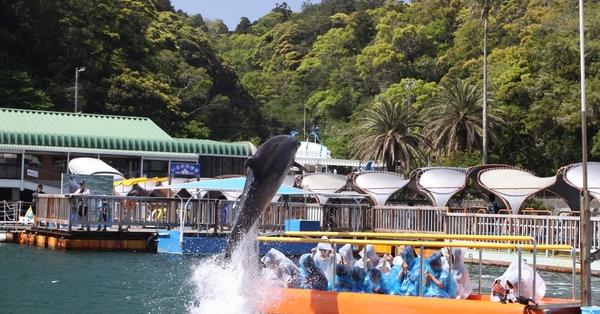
(70, 130)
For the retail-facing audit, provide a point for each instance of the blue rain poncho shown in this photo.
(325, 259)
(407, 282)
(358, 276)
(376, 282)
(435, 270)
(343, 279)
(311, 277)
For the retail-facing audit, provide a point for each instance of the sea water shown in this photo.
(39, 280)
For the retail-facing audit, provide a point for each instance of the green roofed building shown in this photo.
(35, 147)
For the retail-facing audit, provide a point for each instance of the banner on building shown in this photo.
(32, 173)
(183, 169)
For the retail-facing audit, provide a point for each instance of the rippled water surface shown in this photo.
(37, 280)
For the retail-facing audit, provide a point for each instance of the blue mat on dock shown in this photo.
(207, 244)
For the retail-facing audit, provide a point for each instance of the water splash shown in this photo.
(234, 286)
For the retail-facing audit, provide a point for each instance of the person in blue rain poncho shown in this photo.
(311, 277)
(375, 282)
(343, 279)
(438, 282)
(407, 279)
(358, 276)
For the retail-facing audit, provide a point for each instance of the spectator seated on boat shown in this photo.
(464, 286)
(438, 282)
(358, 276)
(282, 268)
(407, 280)
(311, 277)
(391, 269)
(509, 282)
(343, 279)
(375, 282)
(371, 260)
(324, 259)
(347, 257)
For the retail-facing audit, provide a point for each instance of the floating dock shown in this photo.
(133, 240)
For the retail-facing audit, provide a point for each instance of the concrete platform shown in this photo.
(555, 263)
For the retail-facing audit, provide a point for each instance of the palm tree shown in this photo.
(453, 120)
(389, 132)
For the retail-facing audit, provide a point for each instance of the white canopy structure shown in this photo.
(574, 176)
(313, 150)
(513, 185)
(93, 166)
(379, 185)
(322, 184)
(439, 184)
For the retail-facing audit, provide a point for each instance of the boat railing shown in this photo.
(424, 241)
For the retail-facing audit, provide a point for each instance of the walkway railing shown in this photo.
(64, 211)
(545, 229)
(59, 211)
(408, 219)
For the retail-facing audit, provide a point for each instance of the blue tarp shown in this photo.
(231, 185)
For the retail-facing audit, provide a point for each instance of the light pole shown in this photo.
(304, 137)
(409, 85)
(77, 70)
(584, 226)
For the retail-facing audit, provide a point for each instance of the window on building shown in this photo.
(156, 168)
(10, 166)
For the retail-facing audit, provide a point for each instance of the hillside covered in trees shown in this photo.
(360, 68)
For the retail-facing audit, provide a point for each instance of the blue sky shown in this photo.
(230, 11)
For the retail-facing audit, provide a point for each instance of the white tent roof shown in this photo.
(574, 176)
(380, 185)
(513, 185)
(323, 183)
(442, 182)
(93, 166)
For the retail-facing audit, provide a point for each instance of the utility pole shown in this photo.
(409, 85)
(77, 70)
(484, 126)
(584, 224)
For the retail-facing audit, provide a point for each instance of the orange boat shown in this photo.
(291, 301)
(299, 301)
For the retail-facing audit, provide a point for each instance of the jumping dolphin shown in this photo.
(266, 171)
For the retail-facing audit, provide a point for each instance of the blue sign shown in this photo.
(185, 169)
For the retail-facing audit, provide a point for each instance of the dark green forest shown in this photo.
(382, 79)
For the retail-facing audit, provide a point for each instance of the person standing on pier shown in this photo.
(39, 190)
(81, 206)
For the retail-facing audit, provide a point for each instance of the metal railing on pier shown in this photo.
(61, 211)
(10, 213)
(545, 229)
(64, 211)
